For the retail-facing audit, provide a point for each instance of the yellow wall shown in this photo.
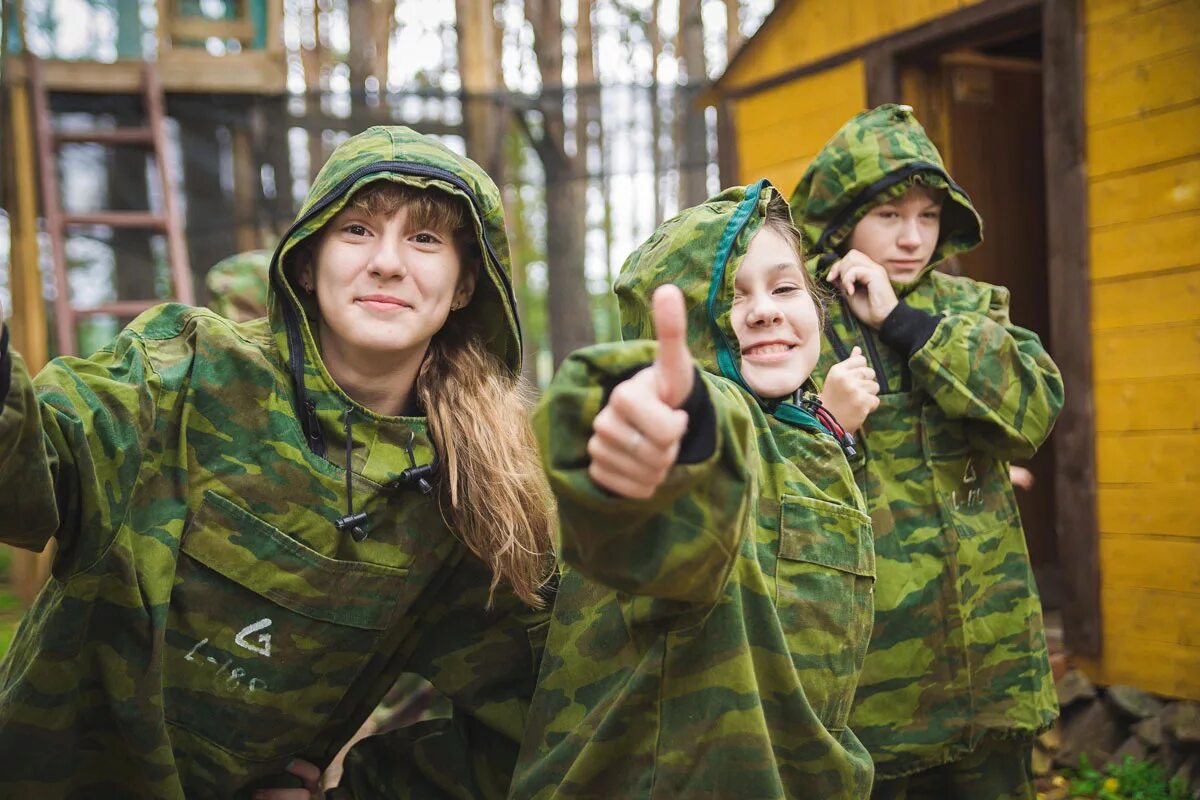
(780, 130)
(1142, 98)
(1143, 138)
(804, 31)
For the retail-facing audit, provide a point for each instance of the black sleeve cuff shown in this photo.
(700, 438)
(5, 365)
(907, 329)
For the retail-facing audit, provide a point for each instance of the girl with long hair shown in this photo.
(260, 525)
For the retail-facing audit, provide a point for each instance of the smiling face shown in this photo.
(901, 234)
(385, 280)
(774, 317)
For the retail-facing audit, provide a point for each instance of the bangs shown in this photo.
(428, 208)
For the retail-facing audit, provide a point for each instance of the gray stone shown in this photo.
(1133, 703)
(1181, 721)
(1090, 729)
(1074, 686)
(1133, 746)
(1150, 731)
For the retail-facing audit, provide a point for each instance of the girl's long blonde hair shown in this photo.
(493, 492)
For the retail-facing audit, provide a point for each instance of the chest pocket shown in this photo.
(824, 583)
(973, 489)
(265, 635)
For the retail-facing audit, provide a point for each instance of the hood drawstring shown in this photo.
(351, 521)
(826, 418)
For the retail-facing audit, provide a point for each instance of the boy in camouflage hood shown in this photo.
(715, 601)
(957, 673)
(238, 286)
(250, 549)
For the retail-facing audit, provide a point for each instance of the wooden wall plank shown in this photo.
(1152, 245)
(1153, 614)
(1165, 669)
(1156, 192)
(1150, 562)
(1158, 404)
(1168, 510)
(1131, 39)
(1166, 351)
(781, 150)
(1097, 11)
(1143, 142)
(1144, 87)
(1148, 300)
(1142, 458)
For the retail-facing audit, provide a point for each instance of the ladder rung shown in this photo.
(121, 308)
(143, 136)
(119, 219)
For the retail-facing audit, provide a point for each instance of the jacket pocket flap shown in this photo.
(828, 534)
(238, 545)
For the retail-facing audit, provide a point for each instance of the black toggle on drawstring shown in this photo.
(351, 520)
(414, 475)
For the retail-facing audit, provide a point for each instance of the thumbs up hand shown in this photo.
(636, 437)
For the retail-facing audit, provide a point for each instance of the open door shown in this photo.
(983, 109)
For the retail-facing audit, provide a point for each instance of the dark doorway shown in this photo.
(982, 106)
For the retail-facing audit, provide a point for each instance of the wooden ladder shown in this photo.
(152, 136)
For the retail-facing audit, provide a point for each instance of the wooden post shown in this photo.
(27, 317)
(1070, 322)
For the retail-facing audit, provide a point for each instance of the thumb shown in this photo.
(674, 369)
(857, 351)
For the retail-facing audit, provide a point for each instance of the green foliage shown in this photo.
(1129, 780)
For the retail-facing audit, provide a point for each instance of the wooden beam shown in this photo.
(197, 29)
(181, 71)
(1070, 321)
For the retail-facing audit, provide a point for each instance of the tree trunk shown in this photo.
(694, 155)
(569, 307)
(733, 30)
(479, 70)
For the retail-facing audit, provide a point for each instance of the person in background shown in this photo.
(957, 680)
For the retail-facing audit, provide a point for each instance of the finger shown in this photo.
(283, 794)
(674, 368)
(834, 271)
(657, 421)
(624, 447)
(642, 463)
(622, 484)
(305, 771)
(870, 387)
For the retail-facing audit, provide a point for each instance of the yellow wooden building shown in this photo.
(1075, 126)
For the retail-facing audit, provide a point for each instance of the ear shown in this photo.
(305, 273)
(466, 288)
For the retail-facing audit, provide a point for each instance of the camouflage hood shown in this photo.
(699, 250)
(876, 156)
(401, 154)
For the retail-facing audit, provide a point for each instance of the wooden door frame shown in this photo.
(1067, 267)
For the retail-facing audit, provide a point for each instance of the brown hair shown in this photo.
(779, 220)
(492, 490)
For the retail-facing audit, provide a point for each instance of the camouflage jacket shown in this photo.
(959, 648)
(705, 642)
(206, 620)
